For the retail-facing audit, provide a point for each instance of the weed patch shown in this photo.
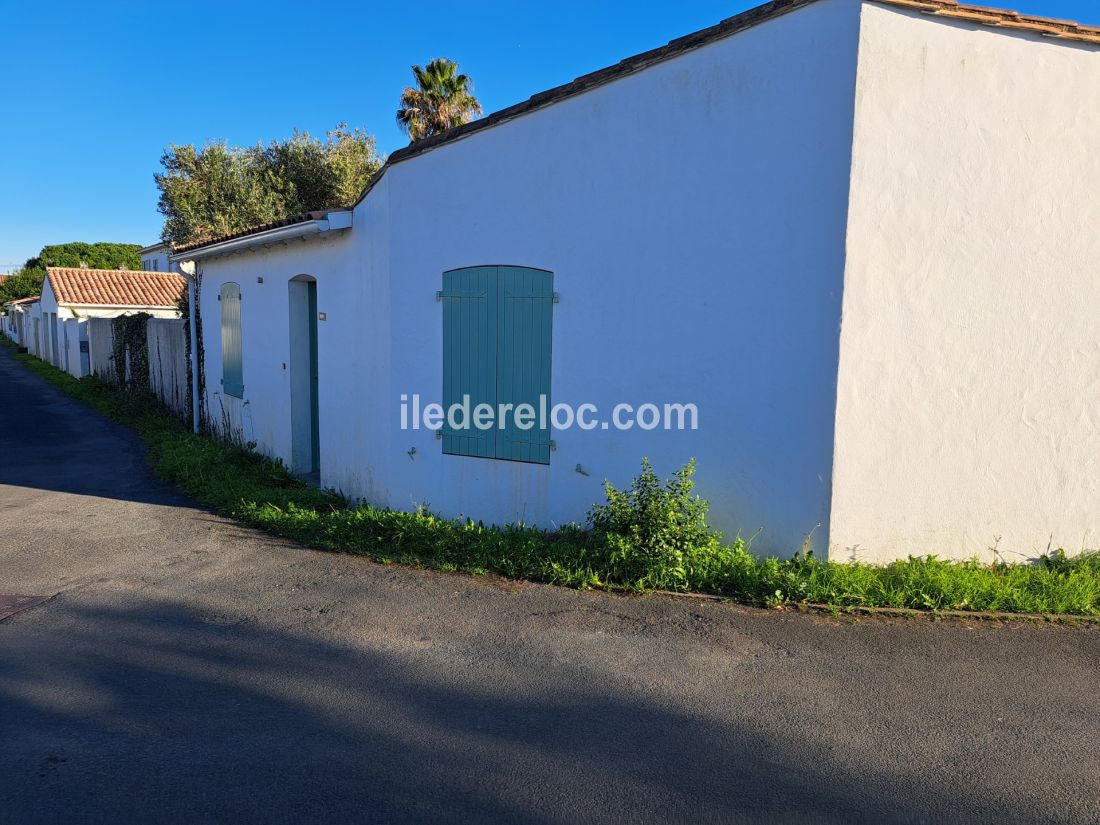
(652, 536)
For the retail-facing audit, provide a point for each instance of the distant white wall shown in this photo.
(156, 260)
(969, 384)
(168, 372)
(74, 332)
(34, 329)
(101, 358)
(13, 324)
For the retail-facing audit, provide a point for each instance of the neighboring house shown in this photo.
(18, 325)
(72, 296)
(860, 236)
(155, 259)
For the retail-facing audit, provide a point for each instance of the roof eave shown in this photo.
(332, 222)
(116, 306)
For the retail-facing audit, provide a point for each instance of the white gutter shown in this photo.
(115, 306)
(333, 221)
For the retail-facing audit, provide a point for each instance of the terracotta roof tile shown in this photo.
(116, 287)
(1002, 18)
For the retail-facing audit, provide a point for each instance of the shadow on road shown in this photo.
(157, 712)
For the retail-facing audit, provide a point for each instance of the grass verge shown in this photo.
(621, 553)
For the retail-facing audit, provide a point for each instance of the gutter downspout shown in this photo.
(189, 269)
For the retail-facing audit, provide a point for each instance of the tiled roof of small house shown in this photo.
(949, 9)
(116, 287)
(19, 301)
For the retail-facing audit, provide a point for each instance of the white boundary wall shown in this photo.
(168, 374)
(101, 336)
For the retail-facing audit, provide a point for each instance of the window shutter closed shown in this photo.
(523, 359)
(470, 310)
(232, 368)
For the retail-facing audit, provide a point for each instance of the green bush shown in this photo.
(653, 531)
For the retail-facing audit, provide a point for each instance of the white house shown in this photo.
(32, 323)
(154, 258)
(859, 235)
(71, 296)
(18, 325)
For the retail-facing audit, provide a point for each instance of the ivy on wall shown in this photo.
(130, 350)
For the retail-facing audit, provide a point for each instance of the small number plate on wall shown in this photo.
(322, 316)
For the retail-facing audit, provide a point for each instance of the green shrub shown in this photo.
(652, 531)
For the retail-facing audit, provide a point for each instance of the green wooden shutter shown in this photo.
(470, 299)
(524, 334)
(232, 370)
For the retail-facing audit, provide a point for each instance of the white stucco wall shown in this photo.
(263, 416)
(693, 215)
(72, 331)
(33, 322)
(969, 377)
(15, 321)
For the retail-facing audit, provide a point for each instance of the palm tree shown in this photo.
(440, 101)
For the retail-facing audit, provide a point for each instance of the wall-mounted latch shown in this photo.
(439, 294)
(557, 297)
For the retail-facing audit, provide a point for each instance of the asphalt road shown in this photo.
(187, 670)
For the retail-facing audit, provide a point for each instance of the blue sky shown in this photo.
(93, 92)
